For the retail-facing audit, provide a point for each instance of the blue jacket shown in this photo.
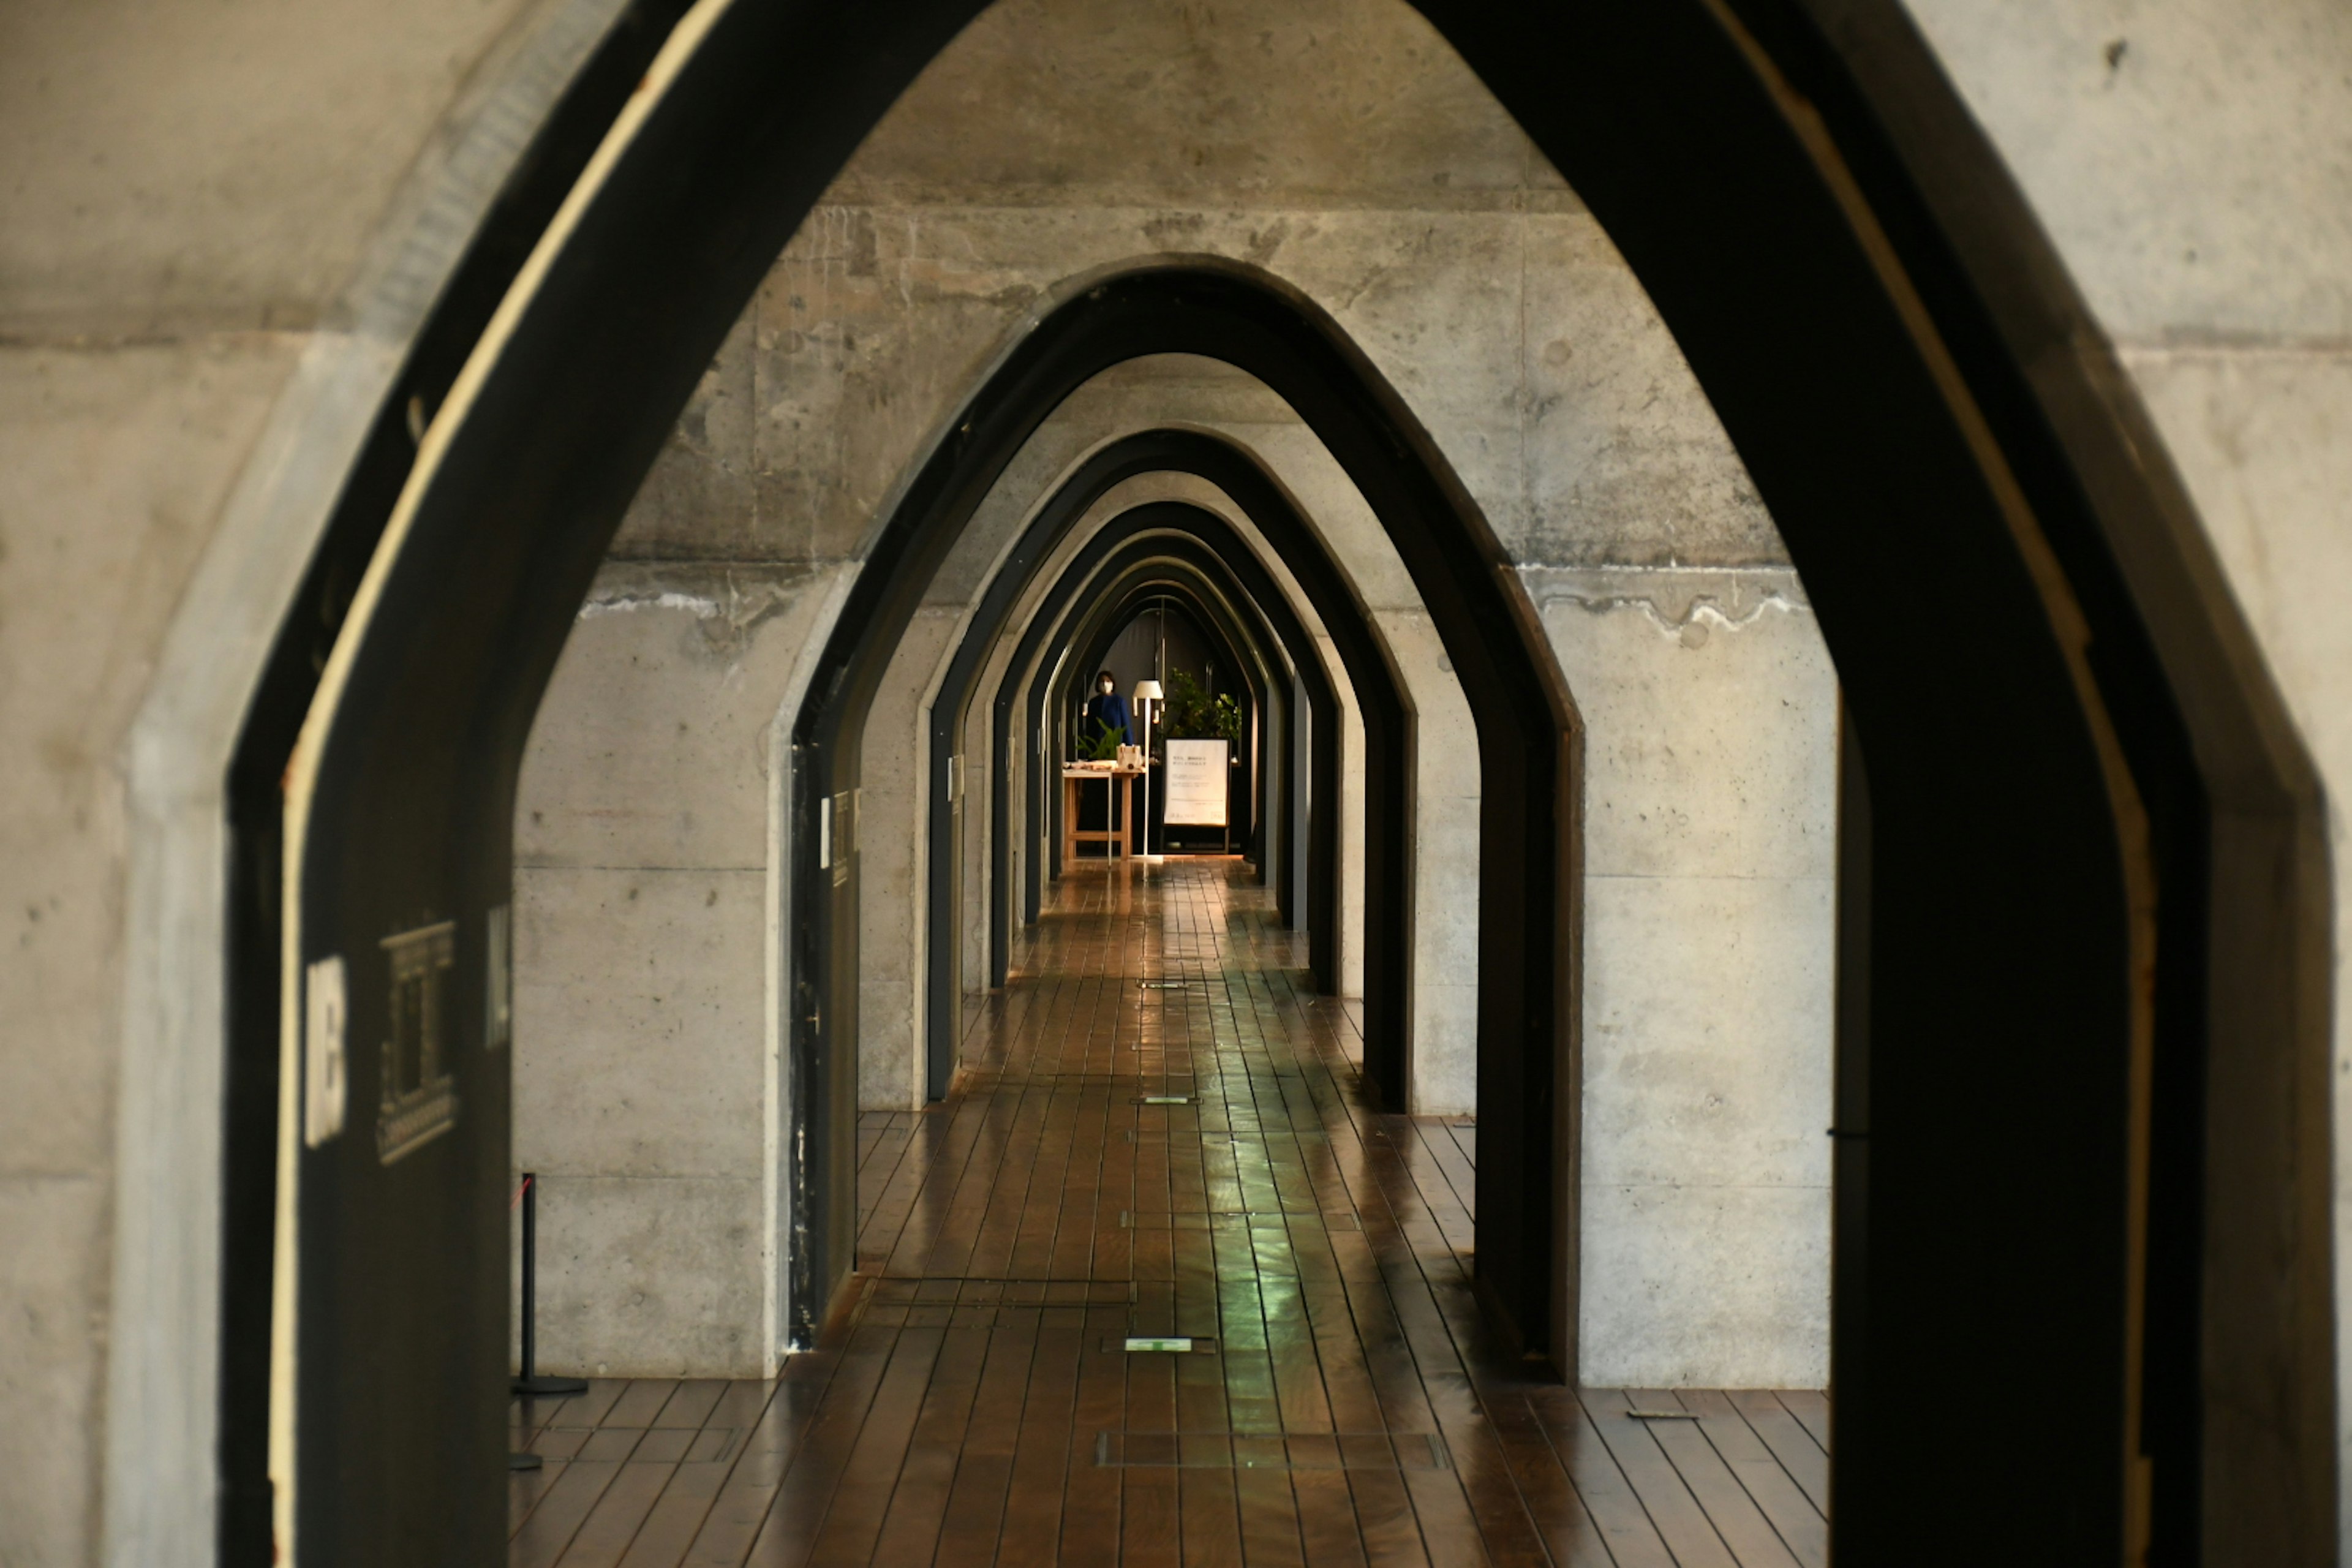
(1108, 713)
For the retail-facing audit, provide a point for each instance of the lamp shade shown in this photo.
(1147, 691)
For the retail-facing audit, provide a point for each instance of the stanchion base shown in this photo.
(517, 1461)
(549, 1387)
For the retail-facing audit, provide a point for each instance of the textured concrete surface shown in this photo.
(189, 194)
(1444, 1070)
(650, 748)
(113, 466)
(2197, 183)
(894, 866)
(1587, 441)
(177, 170)
(641, 1027)
(2193, 162)
(1710, 817)
(637, 1022)
(53, 1231)
(648, 1276)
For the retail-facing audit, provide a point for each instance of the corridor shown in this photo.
(1156, 1132)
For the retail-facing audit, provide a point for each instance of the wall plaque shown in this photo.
(419, 1099)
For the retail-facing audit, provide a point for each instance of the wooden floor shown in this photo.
(976, 1401)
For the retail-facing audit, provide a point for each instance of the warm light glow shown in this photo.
(1147, 691)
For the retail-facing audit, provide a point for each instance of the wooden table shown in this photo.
(1123, 836)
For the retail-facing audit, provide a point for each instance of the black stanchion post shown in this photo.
(530, 1386)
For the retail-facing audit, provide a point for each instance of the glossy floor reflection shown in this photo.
(1157, 1134)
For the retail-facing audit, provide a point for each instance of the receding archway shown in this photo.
(1526, 733)
(1172, 571)
(1269, 510)
(1173, 578)
(1385, 712)
(1836, 251)
(1276, 519)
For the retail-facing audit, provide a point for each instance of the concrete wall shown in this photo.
(1710, 863)
(642, 1095)
(2193, 162)
(894, 856)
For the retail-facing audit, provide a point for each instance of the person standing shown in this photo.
(1106, 710)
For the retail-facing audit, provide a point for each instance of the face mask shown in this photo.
(1107, 689)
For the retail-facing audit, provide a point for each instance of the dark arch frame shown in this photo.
(1186, 575)
(1362, 652)
(1527, 884)
(1271, 511)
(1169, 575)
(1050, 624)
(1835, 248)
(1389, 763)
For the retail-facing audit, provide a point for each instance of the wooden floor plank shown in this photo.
(870, 1473)
(1033, 1503)
(983, 1477)
(910, 1532)
(1688, 1533)
(1209, 1509)
(688, 1408)
(640, 1401)
(1729, 1507)
(1151, 1528)
(676, 1517)
(552, 1525)
(974, 1405)
(1090, 1493)
(1800, 1525)
(1560, 1518)
(805, 1494)
(605, 1535)
(1790, 1444)
(1626, 1531)
(733, 1520)
(525, 1489)
(1811, 1408)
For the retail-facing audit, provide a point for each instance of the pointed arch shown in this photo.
(1528, 884)
(1837, 250)
(1168, 527)
(1170, 565)
(1387, 714)
(1275, 516)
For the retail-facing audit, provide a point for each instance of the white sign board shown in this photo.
(1196, 783)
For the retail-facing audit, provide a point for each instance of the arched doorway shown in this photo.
(1769, 206)
(1270, 511)
(1526, 732)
